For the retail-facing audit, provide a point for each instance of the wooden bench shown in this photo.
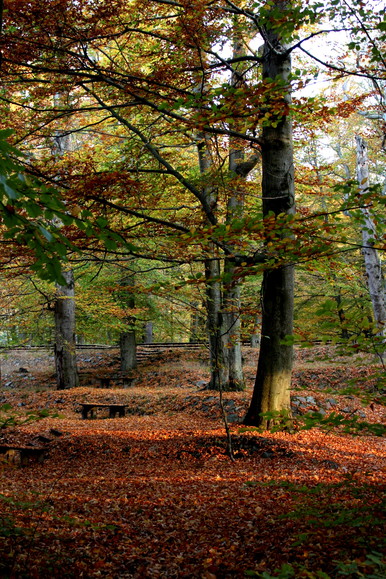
(22, 455)
(114, 409)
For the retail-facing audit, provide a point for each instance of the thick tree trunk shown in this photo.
(374, 274)
(273, 380)
(127, 340)
(65, 353)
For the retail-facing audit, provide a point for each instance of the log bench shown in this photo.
(22, 455)
(114, 409)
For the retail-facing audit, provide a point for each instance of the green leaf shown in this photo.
(46, 233)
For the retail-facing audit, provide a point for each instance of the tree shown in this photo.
(65, 355)
(127, 339)
(374, 274)
(273, 379)
(65, 321)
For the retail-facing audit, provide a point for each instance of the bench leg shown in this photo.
(86, 410)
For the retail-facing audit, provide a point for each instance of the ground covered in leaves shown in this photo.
(155, 494)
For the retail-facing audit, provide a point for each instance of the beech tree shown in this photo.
(273, 380)
(65, 355)
(373, 265)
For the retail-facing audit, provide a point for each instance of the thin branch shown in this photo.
(155, 153)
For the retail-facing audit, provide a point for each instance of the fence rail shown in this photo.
(140, 347)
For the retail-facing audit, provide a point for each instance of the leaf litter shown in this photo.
(155, 494)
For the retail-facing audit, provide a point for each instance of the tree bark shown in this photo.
(148, 333)
(374, 274)
(214, 324)
(127, 340)
(273, 379)
(65, 352)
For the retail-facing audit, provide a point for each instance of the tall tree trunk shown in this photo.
(374, 274)
(231, 325)
(65, 323)
(213, 294)
(127, 340)
(273, 379)
(65, 354)
(214, 324)
(223, 299)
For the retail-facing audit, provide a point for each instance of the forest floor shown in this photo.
(155, 494)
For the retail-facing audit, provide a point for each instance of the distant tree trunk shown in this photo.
(214, 321)
(127, 341)
(273, 379)
(336, 288)
(239, 169)
(65, 352)
(341, 314)
(233, 377)
(374, 274)
(213, 294)
(148, 333)
(197, 324)
(255, 336)
(223, 299)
